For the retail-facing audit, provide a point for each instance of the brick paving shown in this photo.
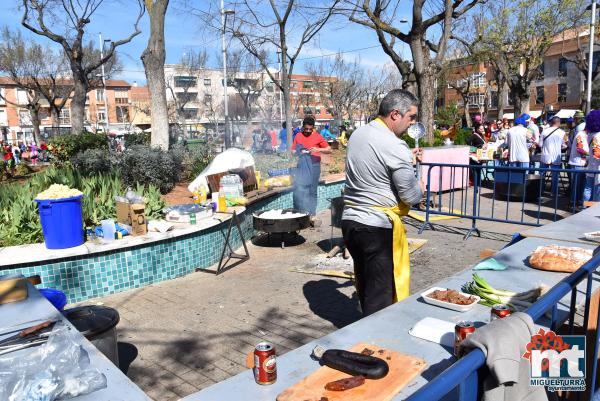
(183, 335)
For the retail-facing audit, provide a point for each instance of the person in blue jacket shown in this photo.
(326, 133)
(283, 138)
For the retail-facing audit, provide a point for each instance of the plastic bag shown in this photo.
(57, 370)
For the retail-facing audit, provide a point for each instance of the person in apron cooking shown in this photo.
(380, 188)
(308, 145)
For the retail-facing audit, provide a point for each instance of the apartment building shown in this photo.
(107, 109)
(309, 96)
(558, 89)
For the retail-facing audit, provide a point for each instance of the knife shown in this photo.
(30, 333)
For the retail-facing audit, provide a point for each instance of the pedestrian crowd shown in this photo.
(550, 144)
(17, 152)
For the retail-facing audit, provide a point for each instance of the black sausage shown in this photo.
(354, 363)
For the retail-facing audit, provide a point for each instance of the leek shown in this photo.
(491, 296)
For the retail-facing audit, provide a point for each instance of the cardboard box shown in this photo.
(13, 290)
(123, 213)
(138, 219)
(132, 215)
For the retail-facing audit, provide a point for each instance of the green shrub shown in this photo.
(93, 161)
(19, 219)
(142, 138)
(140, 164)
(65, 146)
(195, 160)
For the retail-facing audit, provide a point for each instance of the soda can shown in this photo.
(193, 218)
(462, 330)
(499, 311)
(265, 364)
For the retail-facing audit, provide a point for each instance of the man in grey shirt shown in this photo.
(379, 174)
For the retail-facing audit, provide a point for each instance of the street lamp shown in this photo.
(224, 14)
(106, 122)
(591, 56)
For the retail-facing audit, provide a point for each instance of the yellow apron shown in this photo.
(399, 250)
(400, 253)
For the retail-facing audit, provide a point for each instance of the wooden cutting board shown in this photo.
(403, 369)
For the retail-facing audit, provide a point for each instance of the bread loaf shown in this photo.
(559, 258)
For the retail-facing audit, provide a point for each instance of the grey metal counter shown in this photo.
(572, 227)
(389, 329)
(119, 387)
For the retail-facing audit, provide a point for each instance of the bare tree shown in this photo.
(73, 18)
(245, 75)
(579, 34)
(265, 24)
(190, 65)
(515, 36)
(428, 53)
(153, 58)
(375, 84)
(38, 70)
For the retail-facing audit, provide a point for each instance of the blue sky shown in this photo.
(183, 31)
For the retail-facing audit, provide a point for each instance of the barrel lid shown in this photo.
(92, 320)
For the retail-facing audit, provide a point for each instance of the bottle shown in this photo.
(193, 218)
(222, 205)
(202, 194)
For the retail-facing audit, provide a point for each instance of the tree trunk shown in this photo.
(466, 114)
(34, 112)
(426, 102)
(501, 97)
(78, 105)
(54, 117)
(153, 59)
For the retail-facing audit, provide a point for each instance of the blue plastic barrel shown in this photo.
(55, 297)
(62, 222)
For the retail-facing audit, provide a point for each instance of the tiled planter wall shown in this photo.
(96, 275)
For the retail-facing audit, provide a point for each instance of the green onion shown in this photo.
(491, 296)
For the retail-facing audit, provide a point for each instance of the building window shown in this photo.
(539, 95)
(3, 119)
(317, 110)
(308, 84)
(562, 93)
(101, 115)
(541, 71)
(476, 99)
(185, 81)
(121, 95)
(100, 95)
(2, 94)
(478, 80)
(494, 100)
(22, 97)
(123, 114)
(64, 118)
(207, 99)
(562, 67)
(184, 97)
(307, 110)
(206, 81)
(189, 114)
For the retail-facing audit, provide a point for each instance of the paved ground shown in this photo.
(182, 335)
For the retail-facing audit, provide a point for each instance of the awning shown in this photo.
(532, 114)
(565, 113)
(535, 113)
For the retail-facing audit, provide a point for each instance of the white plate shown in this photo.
(448, 305)
(434, 330)
(593, 236)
